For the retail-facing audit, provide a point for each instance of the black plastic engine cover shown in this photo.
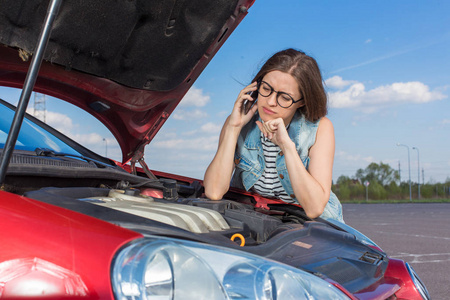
(326, 251)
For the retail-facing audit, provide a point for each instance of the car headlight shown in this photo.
(161, 268)
(418, 283)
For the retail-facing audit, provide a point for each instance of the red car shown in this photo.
(79, 225)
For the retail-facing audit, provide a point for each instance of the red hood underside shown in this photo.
(131, 110)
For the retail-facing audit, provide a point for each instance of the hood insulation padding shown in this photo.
(142, 44)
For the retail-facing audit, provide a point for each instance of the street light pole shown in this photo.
(418, 170)
(409, 170)
(106, 147)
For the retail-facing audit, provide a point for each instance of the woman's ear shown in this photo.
(301, 103)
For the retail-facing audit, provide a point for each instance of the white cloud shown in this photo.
(60, 122)
(356, 96)
(165, 134)
(223, 114)
(89, 139)
(211, 128)
(195, 97)
(98, 144)
(92, 141)
(368, 41)
(344, 156)
(189, 115)
(352, 97)
(190, 132)
(440, 125)
(337, 82)
(203, 143)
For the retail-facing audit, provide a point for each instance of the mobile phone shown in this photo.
(249, 104)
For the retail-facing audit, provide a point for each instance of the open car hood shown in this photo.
(127, 62)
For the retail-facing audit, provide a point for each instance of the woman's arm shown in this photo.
(312, 189)
(218, 174)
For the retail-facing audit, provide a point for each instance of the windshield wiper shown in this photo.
(50, 153)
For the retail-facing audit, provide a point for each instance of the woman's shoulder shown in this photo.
(325, 125)
(305, 135)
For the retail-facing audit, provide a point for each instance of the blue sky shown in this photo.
(387, 69)
(386, 65)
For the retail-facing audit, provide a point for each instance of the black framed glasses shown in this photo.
(283, 99)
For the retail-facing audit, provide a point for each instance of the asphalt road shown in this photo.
(414, 232)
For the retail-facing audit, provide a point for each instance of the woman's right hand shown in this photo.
(220, 170)
(238, 118)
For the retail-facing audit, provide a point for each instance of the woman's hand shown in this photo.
(238, 118)
(275, 130)
(220, 170)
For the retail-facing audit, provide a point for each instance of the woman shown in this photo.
(283, 147)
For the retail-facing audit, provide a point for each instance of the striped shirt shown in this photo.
(269, 185)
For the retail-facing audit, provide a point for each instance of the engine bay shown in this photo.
(199, 216)
(279, 234)
(175, 207)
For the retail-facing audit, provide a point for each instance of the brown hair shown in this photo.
(307, 74)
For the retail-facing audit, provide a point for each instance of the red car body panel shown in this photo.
(73, 241)
(397, 269)
(396, 281)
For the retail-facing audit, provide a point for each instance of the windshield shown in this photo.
(31, 135)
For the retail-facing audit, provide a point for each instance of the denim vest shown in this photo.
(249, 159)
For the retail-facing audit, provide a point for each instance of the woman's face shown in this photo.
(268, 107)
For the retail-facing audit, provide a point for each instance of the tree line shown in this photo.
(383, 183)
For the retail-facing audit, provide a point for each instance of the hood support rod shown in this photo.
(28, 86)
